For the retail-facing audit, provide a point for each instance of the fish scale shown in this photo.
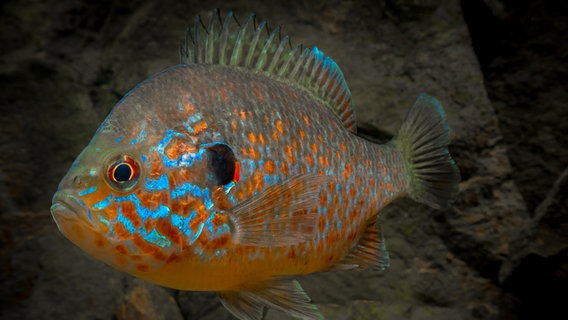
(239, 168)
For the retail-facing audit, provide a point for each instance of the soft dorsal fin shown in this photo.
(254, 48)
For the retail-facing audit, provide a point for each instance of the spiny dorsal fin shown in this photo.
(255, 48)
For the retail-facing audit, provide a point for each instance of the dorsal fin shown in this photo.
(255, 48)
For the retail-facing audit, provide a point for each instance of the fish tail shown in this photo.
(423, 138)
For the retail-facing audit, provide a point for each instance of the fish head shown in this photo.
(138, 195)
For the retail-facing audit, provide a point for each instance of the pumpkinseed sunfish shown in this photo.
(240, 168)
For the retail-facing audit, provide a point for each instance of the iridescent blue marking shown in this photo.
(182, 223)
(103, 203)
(228, 187)
(125, 221)
(180, 106)
(161, 183)
(209, 221)
(92, 172)
(143, 157)
(118, 139)
(194, 118)
(197, 233)
(104, 221)
(140, 137)
(338, 224)
(207, 199)
(143, 212)
(184, 189)
(87, 191)
(185, 160)
(157, 238)
(188, 127)
(220, 230)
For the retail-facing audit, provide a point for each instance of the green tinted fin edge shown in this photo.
(257, 49)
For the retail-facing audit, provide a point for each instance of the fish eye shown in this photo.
(123, 173)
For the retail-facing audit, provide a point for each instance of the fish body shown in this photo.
(239, 168)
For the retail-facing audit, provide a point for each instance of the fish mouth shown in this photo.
(66, 206)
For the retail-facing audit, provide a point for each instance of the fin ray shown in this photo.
(284, 295)
(423, 139)
(283, 214)
(268, 53)
(369, 253)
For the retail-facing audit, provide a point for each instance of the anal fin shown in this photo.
(283, 294)
(370, 253)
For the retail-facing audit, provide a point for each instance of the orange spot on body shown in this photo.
(150, 200)
(120, 248)
(302, 134)
(321, 224)
(314, 147)
(173, 234)
(284, 168)
(121, 231)
(100, 241)
(261, 138)
(309, 159)
(279, 127)
(290, 153)
(129, 211)
(143, 245)
(251, 137)
(198, 128)
(255, 154)
(143, 268)
(269, 166)
(179, 146)
(159, 255)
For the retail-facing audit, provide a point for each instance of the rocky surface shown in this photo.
(499, 252)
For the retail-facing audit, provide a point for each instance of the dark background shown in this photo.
(499, 67)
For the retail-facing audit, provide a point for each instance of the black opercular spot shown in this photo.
(222, 163)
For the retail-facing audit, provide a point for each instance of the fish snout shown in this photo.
(65, 207)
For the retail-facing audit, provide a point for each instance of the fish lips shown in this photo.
(67, 207)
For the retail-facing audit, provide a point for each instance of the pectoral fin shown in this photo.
(283, 294)
(281, 215)
(369, 253)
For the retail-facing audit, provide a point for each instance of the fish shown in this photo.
(240, 168)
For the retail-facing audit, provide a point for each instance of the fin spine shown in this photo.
(272, 55)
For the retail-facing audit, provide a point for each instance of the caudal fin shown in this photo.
(423, 138)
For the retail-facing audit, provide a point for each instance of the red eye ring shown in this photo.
(123, 173)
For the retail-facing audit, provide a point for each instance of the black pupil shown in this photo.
(122, 173)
